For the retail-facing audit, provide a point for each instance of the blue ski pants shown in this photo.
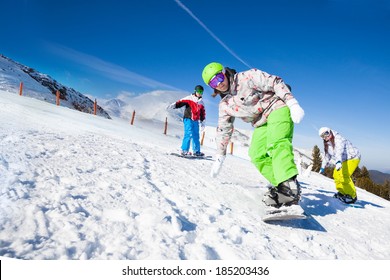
(191, 131)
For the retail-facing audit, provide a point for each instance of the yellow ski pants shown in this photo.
(342, 178)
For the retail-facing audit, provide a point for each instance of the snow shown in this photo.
(75, 186)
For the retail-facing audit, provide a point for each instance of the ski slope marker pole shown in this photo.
(95, 107)
(58, 98)
(21, 88)
(166, 125)
(132, 118)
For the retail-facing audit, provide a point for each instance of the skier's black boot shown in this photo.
(286, 193)
(346, 198)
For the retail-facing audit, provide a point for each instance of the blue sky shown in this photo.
(335, 53)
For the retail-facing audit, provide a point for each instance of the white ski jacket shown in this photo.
(252, 96)
(343, 150)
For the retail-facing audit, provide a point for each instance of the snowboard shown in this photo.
(284, 213)
(352, 205)
(190, 156)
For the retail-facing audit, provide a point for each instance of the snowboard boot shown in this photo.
(286, 193)
(338, 195)
(349, 200)
(346, 198)
(199, 154)
(185, 153)
(270, 197)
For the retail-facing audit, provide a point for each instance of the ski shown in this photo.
(352, 205)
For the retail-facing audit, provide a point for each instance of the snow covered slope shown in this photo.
(76, 186)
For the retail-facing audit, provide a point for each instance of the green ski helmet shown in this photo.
(199, 89)
(210, 71)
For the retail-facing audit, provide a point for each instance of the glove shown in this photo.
(322, 171)
(338, 165)
(171, 106)
(202, 126)
(296, 111)
(217, 165)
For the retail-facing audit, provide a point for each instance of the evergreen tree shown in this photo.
(364, 173)
(356, 174)
(364, 181)
(316, 155)
(329, 172)
(386, 190)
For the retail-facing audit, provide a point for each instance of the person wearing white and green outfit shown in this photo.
(267, 103)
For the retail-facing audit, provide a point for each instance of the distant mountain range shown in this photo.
(148, 106)
(379, 177)
(43, 87)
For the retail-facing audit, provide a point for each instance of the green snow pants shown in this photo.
(271, 150)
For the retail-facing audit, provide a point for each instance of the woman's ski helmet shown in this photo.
(210, 71)
(323, 130)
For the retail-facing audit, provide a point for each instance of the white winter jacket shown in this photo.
(252, 96)
(343, 150)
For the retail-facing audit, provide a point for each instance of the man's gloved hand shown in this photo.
(217, 165)
(296, 111)
(338, 165)
(322, 171)
(171, 106)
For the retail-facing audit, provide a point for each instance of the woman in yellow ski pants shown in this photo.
(346, 158)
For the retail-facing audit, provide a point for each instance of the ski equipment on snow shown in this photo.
(192, 156)
(346, 198)
(285, 194)
(284, 213)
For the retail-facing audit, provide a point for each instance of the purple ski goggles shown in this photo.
(216, 80)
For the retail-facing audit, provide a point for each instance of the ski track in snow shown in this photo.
(84, 195)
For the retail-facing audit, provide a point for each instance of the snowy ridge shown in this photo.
(92, 188)
(42, 87)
